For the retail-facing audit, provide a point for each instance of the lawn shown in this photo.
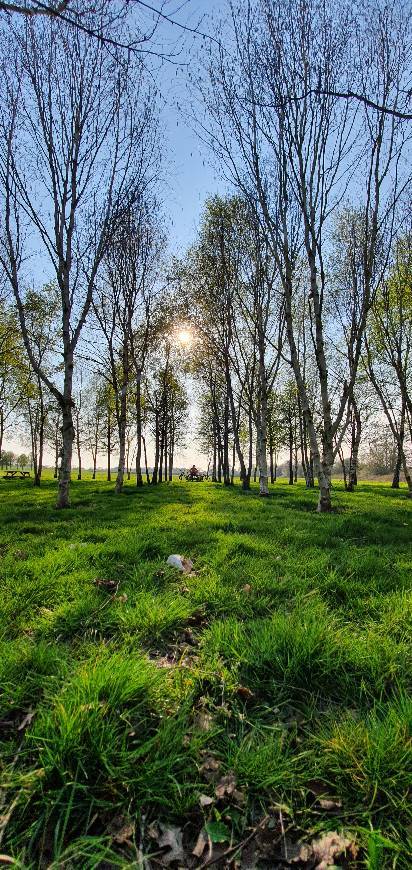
(263, 698)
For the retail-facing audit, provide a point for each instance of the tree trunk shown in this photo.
(139, 478)
(219, 455)
(237, 449)
(56, 455)
(68, 435)
(166, 454)
(262, 423)
(37, 479)
(214, 466)
(355, 443)
(399, 445)
(94, 466)
(122, 423)
(290, 455)
(407, 473)
(271, 463)
(397, 471)
(79, 457)
(232, 473)
(109, 447)
(145, 460)
(226, 468)
(156, 458)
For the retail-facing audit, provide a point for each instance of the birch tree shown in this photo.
(76, 151)
(278, 124)
(124, 310)
(389, 352)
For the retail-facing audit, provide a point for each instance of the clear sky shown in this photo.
(190, 174)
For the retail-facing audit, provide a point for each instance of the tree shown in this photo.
(124, 310)
(389, 351)
(84, 117)
(41, 318)
(101, 23)
(13, 369)
(8, 458)
(94, 418)
(296, 152)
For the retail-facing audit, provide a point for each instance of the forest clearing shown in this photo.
(272, 682)
(205, 434)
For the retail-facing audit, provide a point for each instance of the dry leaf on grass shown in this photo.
(121, 829)
(330, 803)
(205, 800)
(226, 788)
(203, 721)
(201, 844)
(324, 851)
(210, 766)
(247, 588)
(172, 839)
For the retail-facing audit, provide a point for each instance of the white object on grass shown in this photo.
(180, 562)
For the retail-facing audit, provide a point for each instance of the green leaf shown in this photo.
(218, 832)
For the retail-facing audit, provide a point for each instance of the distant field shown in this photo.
(274, 680)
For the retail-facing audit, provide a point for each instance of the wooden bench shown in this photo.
(12, 474)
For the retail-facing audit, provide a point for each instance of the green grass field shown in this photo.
(283, 664)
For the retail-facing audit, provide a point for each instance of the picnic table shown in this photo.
(11, 474)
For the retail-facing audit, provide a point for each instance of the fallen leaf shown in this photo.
(324, 851)
(121, 829)
(125, 833)
(205, 800)
(204, 721)
(172, 839)
(218, 832)
(226, 786)
(210, 767)
(122, 598)
(247, 588)
(330, 804)
(27, 720)
(201, 844)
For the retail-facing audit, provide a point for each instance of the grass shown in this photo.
(286, 659)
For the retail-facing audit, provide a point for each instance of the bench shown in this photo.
(15, 473)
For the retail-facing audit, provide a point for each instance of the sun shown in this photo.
(185, 336)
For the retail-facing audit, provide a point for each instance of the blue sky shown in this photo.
(191, 176)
